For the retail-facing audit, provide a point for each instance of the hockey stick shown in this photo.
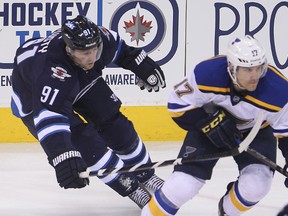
(243, 146)
(266, 161)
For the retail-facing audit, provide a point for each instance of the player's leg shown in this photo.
(255, 178)
(127, 144)
(97, 156)
(101, 106)
(186, 180)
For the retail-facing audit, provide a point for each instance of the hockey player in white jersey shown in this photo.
(235, 87)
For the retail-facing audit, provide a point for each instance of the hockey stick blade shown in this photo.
(243, 146)
(266, 161)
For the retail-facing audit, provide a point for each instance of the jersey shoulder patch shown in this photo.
(211, 75)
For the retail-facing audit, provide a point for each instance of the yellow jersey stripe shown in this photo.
(262, 104)
(278, 73)
(214, 89)
(179, 114)
(176, 114)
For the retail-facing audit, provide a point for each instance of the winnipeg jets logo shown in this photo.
(70, 25)
(60, 73)
(137, 27)
(143, 24)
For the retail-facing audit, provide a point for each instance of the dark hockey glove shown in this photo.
(151, 80)
(143, 85)
(151, 76)
(220, 130)
(67, 166)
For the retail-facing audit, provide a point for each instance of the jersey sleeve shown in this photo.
(125, 53)
(111, 46)
(279, 122)
(277, 101)
(185, 103)
(44, 86)
(52, 107)
(186, 96)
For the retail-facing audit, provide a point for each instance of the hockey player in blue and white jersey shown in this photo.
(218, 104)
(55, 77)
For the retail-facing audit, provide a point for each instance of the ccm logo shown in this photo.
(214, 123)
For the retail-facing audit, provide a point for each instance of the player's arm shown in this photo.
(52, 108)
(186, 107)
(147, 70)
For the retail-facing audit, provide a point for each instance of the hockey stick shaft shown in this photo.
(242, 147)
(153, 165)
(266, 161)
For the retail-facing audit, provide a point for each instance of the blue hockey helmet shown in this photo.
(81, 33)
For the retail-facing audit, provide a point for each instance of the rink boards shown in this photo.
(177, 35)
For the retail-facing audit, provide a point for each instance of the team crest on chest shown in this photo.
(60, 73)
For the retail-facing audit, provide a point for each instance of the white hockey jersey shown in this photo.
(210, 82)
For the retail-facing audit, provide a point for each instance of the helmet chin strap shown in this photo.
(234, 79)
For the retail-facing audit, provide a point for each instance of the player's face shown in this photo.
(248, 77)
(85, 58)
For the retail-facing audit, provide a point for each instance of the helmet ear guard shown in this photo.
(245, 52)
(81, 33)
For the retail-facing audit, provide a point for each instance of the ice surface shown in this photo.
(28, 187)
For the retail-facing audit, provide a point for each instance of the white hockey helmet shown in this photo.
(245, 52)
